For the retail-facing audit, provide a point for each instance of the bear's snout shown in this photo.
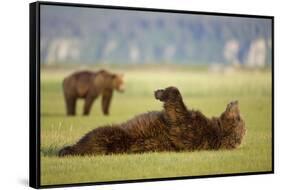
(121, 89)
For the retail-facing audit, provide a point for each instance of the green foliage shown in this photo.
(209, 92)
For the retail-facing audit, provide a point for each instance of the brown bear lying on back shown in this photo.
(176, 128)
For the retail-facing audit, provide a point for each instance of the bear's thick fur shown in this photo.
(176, 128)
(89, 85)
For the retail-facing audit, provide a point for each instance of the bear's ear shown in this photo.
(113, 76)
(121, 76)
(102, 71)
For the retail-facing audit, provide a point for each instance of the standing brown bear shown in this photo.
(89, 85)
(176, 128)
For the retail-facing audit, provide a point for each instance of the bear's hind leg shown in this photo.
(100, 141)
(88, 104)
(68, 150)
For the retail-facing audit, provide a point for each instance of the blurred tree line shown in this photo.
(88, 35)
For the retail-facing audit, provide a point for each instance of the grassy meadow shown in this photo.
(201, 89)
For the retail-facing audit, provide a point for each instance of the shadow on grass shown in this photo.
(53, 114)
(52, 150)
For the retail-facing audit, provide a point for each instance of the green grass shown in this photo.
(208, 92)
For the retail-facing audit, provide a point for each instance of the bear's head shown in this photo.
(118, 82)
(169, 94)
(110, 80)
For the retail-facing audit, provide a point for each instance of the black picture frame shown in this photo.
(34, 93)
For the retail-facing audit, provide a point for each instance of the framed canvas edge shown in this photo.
(156, 179)
(146, 9)
(272, 96)
(34, 93)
